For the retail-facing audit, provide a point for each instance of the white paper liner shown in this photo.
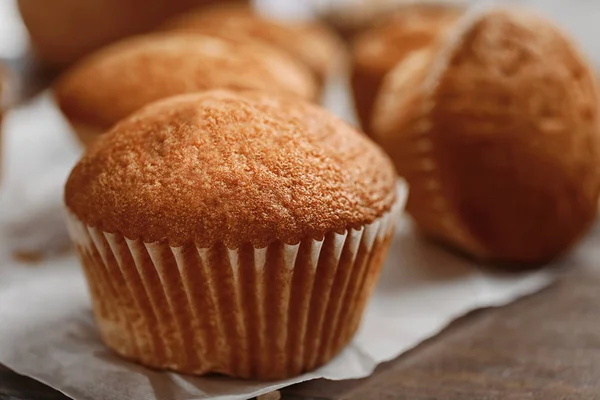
(46, 316)
(264, 313)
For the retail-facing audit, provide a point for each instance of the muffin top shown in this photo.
(508, 111)
(121, 78)
(231, 167)
(409, 29)
(308, 42)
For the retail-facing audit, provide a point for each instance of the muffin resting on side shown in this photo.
(498, 135)
(120, 79)
(64, 31)
(377, 50)
(228, 232)
(308, 42)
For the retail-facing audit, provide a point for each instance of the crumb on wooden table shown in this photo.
(270, 396)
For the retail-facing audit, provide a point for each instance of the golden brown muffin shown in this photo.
(121, 78)
(2, 108)
(351, 17)
(309, 42)
(377, 50)
(498, 136)
(66, 30)
(8, 98)
(228, 232)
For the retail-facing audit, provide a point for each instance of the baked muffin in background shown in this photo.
(351, 17)
(3, 106)
(497, 134)
(232, 232)
(121, 78)
(309, 42)
(378, 49)
(9, 96)
(66, 30)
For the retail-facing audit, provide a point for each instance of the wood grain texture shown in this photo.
(546, 346)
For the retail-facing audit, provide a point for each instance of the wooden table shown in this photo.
(546, 347)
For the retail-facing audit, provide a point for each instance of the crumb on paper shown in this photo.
(28, 257)
(32, 257)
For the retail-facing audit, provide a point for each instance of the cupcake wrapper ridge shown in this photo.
(262, 313)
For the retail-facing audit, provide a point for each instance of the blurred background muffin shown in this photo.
(309, 42)
(350, 17)
(9, 91)
(3, 106)
(266, 218)
(497, 133)
(63, 31)
(378, 49)
(121, 78)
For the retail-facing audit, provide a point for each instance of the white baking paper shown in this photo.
(46, 326)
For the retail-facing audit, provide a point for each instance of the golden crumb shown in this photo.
(276, 395)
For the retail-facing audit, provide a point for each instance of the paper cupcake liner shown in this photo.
(264, 313)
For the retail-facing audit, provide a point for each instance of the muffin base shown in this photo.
(260, 313)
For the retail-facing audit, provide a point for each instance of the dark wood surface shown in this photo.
(546, 347)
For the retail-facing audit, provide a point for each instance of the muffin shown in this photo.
(308, 42)
(2, 108)
(232, 232)
(8, 97)
(119, 79)
(351, 17)
(69, 29)
(497, 135)
(377, 50)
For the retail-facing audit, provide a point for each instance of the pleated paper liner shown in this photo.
(261, 313)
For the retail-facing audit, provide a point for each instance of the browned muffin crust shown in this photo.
(311, 43)
(227, 167)
(120, 79)
(500, 140)
(376, 51)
